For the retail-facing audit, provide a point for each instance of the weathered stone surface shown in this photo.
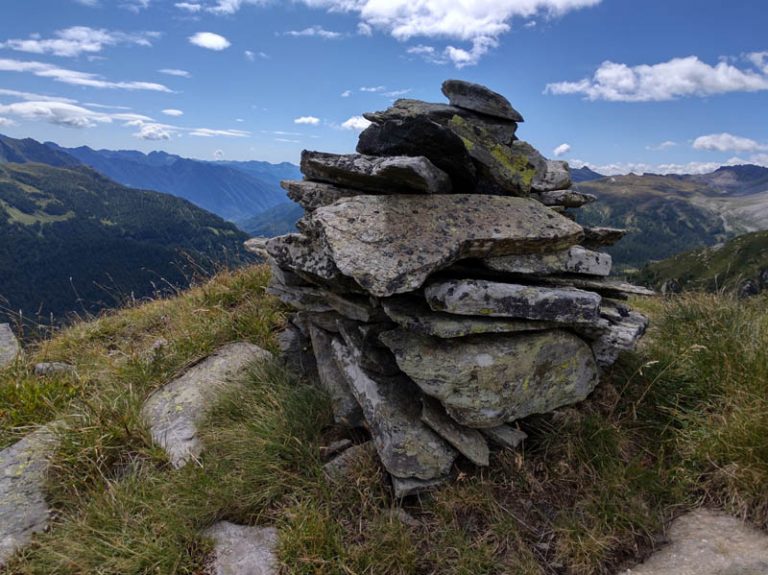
(9, 345)
(599, 236)
(421, 136)
(286, 278)
(565, 198)
(342, 466)
(706, 542)
(554, 176)
(601, 285)
(296, 350)
(415, 315)
(621, 336)
(405, 487)
(345, 407)
(502, 131)
(485, 381)
(371, 237)
(313, 195)
(575, 260)
(494, 299)
(174, 411)
(469, 442)
(297, 252)
(317, 300)
(53, 368)
(505, 435)
(257, 246)
(23, 509)
(479, 99)
(392, 407)
(243, 550)
(378, 175)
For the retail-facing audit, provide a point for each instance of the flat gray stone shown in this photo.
(388, 175)
(485, 381)
(604, 286)
(469, 442)
(313, 195)
(409, 486)
(554, 176)
(298, 253)
(345, 407)
(23, 509)
(705, 542)
(342, 467)
(392, 407)
(494, 299)
(9, 345)
(598, 237)
(506, 436)
(415, 315)
(174, 411)
(318, 300)
(479, 99)
(622, 335)
(565, 198)
(575, 260)
(53, 368)
(243, 550)
(371, 238)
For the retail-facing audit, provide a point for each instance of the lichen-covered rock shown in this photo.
(257, 246)
(313, 195)
(576, 260)
(378, 175)
(297, 252)
(392, 407)
(485, 381)
(371, 237)
(554, 176)
(479, 99)
(622, 335)
(243, 550)
(9, 345)
(495, 299)
(318, 300)
(415, 315)
(565, 198)
(601, 285)
(468, 442)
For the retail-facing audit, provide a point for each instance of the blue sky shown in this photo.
(663, 85)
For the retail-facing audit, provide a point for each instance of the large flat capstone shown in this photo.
(485, 381)
(480, 99)
(371, 237)
(174, 411)
(9, 345)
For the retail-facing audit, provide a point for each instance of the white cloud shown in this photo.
(530, 24)
(154, 132)
(287, 141)
(356, 123)
(59, 113)
(364, 29)
(78, 40)
(461, 57)
(308, 120)
(89, 3)
(210, 41)
(727, 143)
(175, 72)
(209, 133)
(346, 93)
(4, 122)
(676, 78)
(621, 168)
(189, 6)
(315, 31)
(372, 89)
(759, 60)
(397, 93)
(253, 55)
(218, 154)
(666, 145)
(561, 150)
(135, 6)
(34, 97)
(74, 77)
(173, 112)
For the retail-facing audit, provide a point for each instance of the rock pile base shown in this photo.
(442, 285)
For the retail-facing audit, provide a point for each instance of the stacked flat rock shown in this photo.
(442, 286)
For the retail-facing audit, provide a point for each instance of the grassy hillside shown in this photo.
(723, 267)
(72, 240)
(678, 424)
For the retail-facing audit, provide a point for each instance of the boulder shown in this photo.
(494, 299)
(575, 260)
(374, 174)
(485, 381)
(243, 550)
(554, 176)
(565, 198)
(9, 345)
(468, 442)
(371, 238)
(313, 195)
(406, 446)
(479, 99)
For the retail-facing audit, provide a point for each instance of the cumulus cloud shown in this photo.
(173, 112)
(676, 78)
(154, 132)
(346, 93)
(356, 123)
(78, 40)
(561, 150)
(89, 3)
(308, 120)
(4, 122)
(74, 77)
(58, 113)
(316, 31)
(726, 142)
(210, 41)
(175, 72)
(364, 29)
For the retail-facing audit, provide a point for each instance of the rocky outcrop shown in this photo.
(446, 289)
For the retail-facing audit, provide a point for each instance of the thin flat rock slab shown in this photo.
(415, 315)
(495, 299)
(317, 300)
(313, 195)
(371, 238)
(469, 442)
(9, 345)
(485, 381)
(597, 237)
(378, 175)
(23, 509)
(298, 253)
(406, 487)
(342, 467)
(345, 407)
(575, 260)
(621, 336)
(505, 436)
(554, 176)
(174, 411)
(243, 550)
(479, 99)
(392, 407)
(705, 542)
(608, 287)
(565, 198)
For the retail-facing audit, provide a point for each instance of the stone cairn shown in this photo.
(443, 290)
